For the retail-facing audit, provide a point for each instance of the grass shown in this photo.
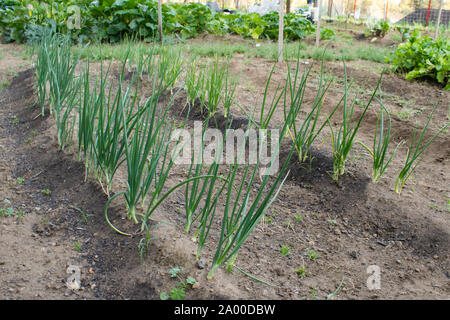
(267, 50)
(56, 65)
(221, 49)
(4, 84)
(406, 113)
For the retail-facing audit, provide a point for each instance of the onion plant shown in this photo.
(164, 66)
(63, 85)
(343, 138)
(414, 151)
(308, 131)
(242, 212)
(381, 141)
(228, 92)
(86, 117)
(195, 83)
(214, 83)
(266, 116)
(42, 67)
(195, 191)
(205, 192)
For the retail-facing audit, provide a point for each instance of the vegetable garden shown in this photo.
(358, 162)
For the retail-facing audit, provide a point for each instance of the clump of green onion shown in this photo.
(306, 133)
(381, 140)
(343, 138)
(414, 151)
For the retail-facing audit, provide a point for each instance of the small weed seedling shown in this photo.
(77, 245)
(174, 272)
(20, 216)
(301, 272)
(20, 180)
(179, 292)
(47, 192)
(285, 250)
(313, 295)
(267, 220)
(84, 215)
(9, 211)
(15, 120)
(333, 222)
(299, 218)
(312, 254)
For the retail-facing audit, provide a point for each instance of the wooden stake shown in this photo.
(436, 34)
(160, 21)
(318, 23)
(280, 31)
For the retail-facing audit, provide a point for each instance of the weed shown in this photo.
(285, 250)
(332, 222)
(20, 216)
(301, 272)
(77, 246)
(179, 292)
(312, 254)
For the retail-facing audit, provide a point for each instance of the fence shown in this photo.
(403, 11)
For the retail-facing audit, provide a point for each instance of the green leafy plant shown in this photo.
(312, 254)
(378, 29)
(405, 31)
(326, 34)
(422, 56)
(285, 250)
(179, 292)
